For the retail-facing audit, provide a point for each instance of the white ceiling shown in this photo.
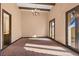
(30, 5)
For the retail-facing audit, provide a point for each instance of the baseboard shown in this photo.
(65, 45)
(37, 37)
(11, 44)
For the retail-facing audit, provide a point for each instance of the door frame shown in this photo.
(4, 11)
(66, 30)
(50, 25)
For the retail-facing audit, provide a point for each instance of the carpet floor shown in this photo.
(37, 47)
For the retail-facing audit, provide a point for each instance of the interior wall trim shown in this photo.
(37, 37)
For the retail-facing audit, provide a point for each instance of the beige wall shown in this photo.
(58, 12)
(34, 25)
(0, 26)
(16, 20)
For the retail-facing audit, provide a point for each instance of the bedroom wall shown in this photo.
(58, 12)
(34, 25)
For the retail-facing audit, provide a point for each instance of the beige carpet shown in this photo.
(37, 47)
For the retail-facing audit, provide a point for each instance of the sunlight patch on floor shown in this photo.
(45, 46)
(47, 51)
(36, 48)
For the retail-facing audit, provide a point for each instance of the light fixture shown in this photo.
(35, 12)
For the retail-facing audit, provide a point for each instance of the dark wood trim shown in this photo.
(29, 8)
(4, 11)
(53, 20)
(11, 43)
(65, 46)
(37, 37)
(66, 30)
(66, 36)
(45, 4)
(49, 27)
(74, 8)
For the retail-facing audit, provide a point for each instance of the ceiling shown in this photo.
(39, 6)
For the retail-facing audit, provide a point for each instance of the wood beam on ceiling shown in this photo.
(46, 3)
(28, 8)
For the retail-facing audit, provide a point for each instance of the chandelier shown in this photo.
(35, 12)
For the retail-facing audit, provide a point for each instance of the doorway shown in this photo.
(52, 28)
(6, 28)
(72, 28)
